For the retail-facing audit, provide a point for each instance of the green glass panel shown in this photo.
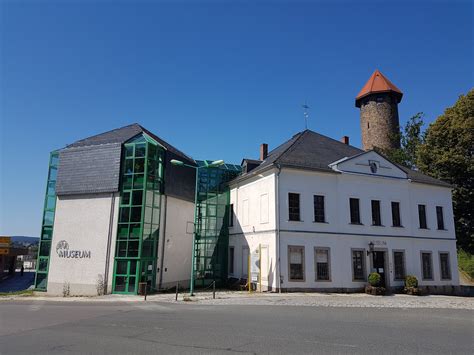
(132, 249)
(127, 182)
(148, 212)
(136, 214)
(43, 264)
(120, 282)
(137, 197)
(124, 214)
(131, 284)
(122, 231)
(128, 168)
(122, 266)
(121, 248)
(129, 150)
(138, 181)
(126, 198)
(140, 150)
(44, 248)
(50, 202)
(47, 233)
(41, 281)
(133, 267)
(139, 166)
(53, 174)
(152, 151)
(135, 230)
(48, 218)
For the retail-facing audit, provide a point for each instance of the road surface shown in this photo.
(50, 327)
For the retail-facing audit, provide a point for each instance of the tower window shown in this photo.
(368, 125)
(379, 99)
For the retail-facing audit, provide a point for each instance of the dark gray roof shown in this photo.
(314, 151)
(92, 165)
(123, 134)
(89, 169)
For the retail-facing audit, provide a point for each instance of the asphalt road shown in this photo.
(40, 327)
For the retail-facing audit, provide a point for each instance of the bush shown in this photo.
(466, 263)
(374, 279)
(411, 281)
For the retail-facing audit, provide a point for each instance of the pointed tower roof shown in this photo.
(378, 83)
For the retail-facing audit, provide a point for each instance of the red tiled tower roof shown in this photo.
(378, 83)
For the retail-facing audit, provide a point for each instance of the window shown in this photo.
(426, 266)
(318, 202)
(355, 213)
(396, 221)
(444, 265)
(321, 260)
(231, 215)
(296, 263)
(358, 265)
(439, 217)
(294, 206)
(376, 219)
(231, 260)
(422, 216)
(399, 264)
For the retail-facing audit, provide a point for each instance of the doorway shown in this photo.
(125, 277)
(379, 265)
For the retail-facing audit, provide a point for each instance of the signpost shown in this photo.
(255, 271)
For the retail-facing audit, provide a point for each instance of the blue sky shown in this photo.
(212, 78)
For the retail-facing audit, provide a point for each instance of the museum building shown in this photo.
(125, 208)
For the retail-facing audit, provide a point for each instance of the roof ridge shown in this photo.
(301, 134)
(99, 134)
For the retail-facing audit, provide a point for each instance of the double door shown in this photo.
(125, 276)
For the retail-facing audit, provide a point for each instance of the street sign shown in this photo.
(255, 265)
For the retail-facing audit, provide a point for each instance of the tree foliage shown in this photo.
(446, 154)
(410, 138)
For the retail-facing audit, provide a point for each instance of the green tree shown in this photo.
(410, 138)
(446, 154)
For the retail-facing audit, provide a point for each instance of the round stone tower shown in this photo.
(378, 102)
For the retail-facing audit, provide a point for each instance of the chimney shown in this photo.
(263, 151)
(345, 140)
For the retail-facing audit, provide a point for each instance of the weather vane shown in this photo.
(305, 114)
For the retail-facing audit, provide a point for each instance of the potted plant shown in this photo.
(374, 288)
(411, 285)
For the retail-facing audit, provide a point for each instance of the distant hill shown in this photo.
(24, 241)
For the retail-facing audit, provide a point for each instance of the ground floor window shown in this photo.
(231, 260)
(321, 260)
(358, 265)
(426, 266)
(296, 263)
(444, 265)
(399, 264)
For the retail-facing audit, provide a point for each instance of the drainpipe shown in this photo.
(277, 198)
(109, 243)
(162, 251)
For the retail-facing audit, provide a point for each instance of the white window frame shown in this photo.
(316, 266)
(302, 263)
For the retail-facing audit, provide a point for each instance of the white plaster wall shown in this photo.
(83, 221)
(178, 243)
(341, 258)
(254, 204)
(251, 242)
(338, 188)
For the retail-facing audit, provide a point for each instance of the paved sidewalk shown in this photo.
(17, 282)
(358, 300)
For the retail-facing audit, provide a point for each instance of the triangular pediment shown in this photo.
(369, 163)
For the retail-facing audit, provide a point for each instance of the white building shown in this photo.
(326, 214)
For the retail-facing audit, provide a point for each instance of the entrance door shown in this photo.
(125, 278)
(378, 263)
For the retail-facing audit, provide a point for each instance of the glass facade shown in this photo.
(139, 215)
(212, 222)
(47, 224)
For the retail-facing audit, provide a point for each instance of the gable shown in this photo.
(369, 163)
